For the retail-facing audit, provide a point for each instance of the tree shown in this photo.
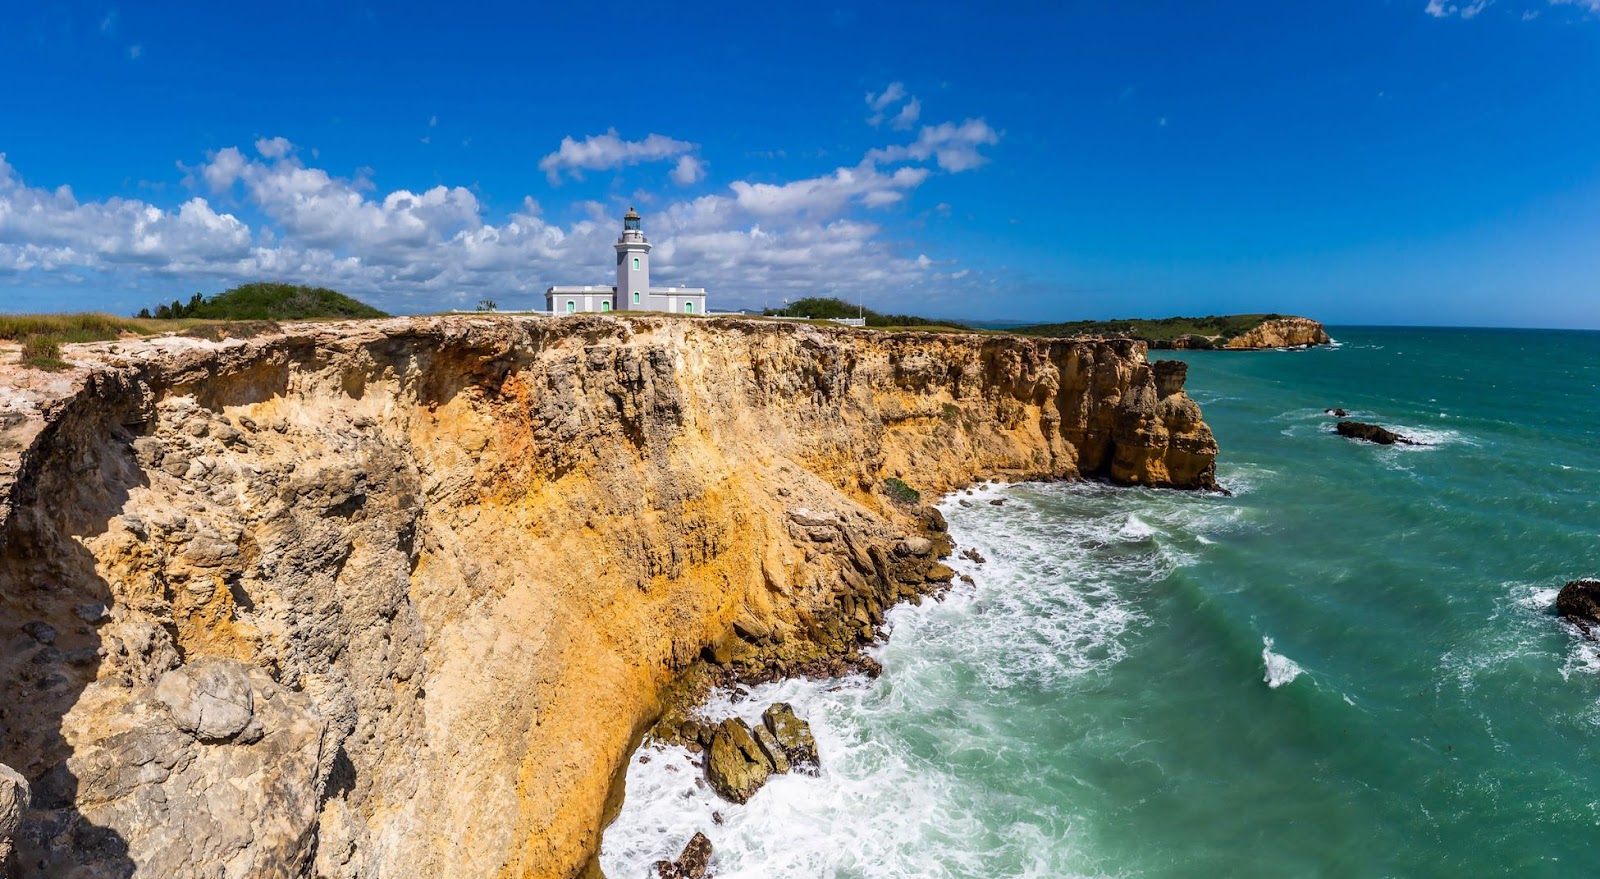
(487, 305)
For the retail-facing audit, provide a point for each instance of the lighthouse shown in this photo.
(632, 291)
(633, 265)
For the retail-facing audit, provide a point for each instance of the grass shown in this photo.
(42, 335)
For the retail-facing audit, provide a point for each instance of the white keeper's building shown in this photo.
(633, 291)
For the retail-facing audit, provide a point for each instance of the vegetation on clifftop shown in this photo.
(832, 308)
(267, 301)
(1216, 329)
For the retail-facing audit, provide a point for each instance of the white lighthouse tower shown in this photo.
(633, 291)
(633, 265)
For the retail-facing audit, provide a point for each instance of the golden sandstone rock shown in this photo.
(457, 564)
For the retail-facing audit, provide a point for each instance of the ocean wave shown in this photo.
(1280, 669)
(1048, 611)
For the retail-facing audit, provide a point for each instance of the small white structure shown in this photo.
(633, 291)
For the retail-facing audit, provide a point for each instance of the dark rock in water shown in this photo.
(692, 864)
(1579, 604)
(1372, 433)
(973, 555)
(794, 735)
(1336, 413)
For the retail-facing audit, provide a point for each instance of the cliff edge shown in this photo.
(397, 597)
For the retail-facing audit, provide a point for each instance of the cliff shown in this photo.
(398, 597)
(1283, 332)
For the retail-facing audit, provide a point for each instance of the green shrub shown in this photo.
(43, 352)
(901, 493)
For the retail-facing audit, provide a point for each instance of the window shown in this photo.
(636, 263)
(605, 305)
(636, 297)
(571, 306)
(688, 308)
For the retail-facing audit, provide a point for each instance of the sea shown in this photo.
(1350, 667)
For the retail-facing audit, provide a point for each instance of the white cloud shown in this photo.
(600, 152)
(907, 116)
(135, 52)
(46, 229)
(1590, 5)
(882, 100)
(828, 194)
(954, 147)
(428, 248)
(1441, 9)
(689, 170)
(274, 148)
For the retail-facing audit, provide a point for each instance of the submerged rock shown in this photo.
(692, 864)
(1372, 433)
(1579, 604)
(1336, 413)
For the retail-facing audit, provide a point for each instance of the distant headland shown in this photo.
(1232, 332)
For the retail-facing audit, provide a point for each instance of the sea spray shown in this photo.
(1280, 669)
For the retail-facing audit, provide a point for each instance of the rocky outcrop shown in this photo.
(692, 864)
(354, 600)
(1280, 332)
(1371, 433)
(14, 798)
(1578, 603)
(741, 759)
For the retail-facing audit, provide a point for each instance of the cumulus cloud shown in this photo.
(600, 152)
(425, 248)
(689, 170)
(273, 147)
(49, 229)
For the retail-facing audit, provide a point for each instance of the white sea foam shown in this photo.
(1046, 610)
(1280, 669)
(1135, 530)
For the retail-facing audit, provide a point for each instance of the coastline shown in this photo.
(395, 530)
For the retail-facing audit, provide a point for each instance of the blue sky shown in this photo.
(1411, 161)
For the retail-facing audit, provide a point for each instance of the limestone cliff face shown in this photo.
(1283, 332)
(395, 598)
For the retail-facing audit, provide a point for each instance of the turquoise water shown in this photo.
(1349, 668)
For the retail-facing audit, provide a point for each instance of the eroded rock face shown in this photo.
(398, 596)
(1283, 332)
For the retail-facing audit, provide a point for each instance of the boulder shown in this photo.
(692, 864)
(13, 804)
(1371, 433)
(1336, 413)
(1579, 604)
(735, 765)
(793, 735)
(209, 699)
(774, 752)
